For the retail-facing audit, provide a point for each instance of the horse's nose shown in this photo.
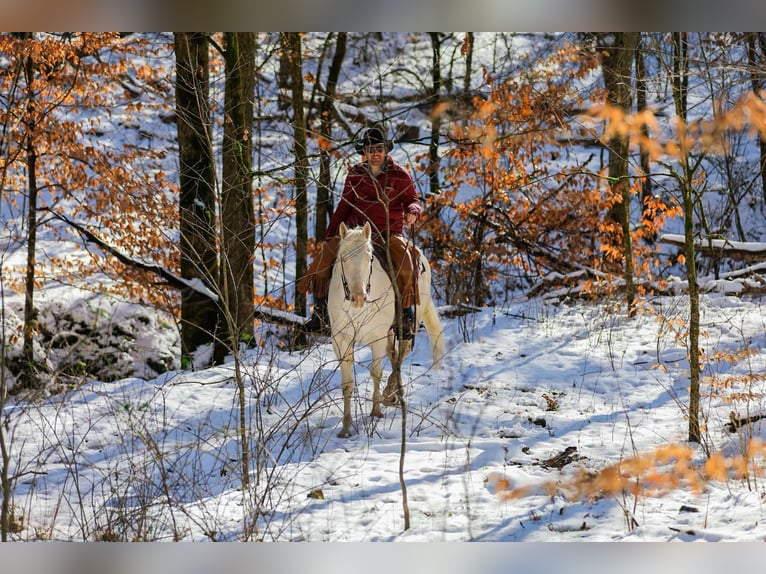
(358, 300)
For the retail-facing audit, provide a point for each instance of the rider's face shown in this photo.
(375, 155)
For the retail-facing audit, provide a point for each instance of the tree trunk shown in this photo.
(29, 374)
(617, 65)
(436, 122)
(238, 214)
(200, 314)
(237, 206)
(468, 53)
(694, 314)
(477, 283)
(755, 40)
(680, 85)
(292, 44)
(324, 202)
(647, 189)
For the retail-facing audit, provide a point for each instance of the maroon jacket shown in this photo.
(383, 200)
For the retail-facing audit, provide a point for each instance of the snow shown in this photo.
(519, 385)
(721, 244)
(158, 457)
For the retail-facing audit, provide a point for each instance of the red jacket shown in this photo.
(383, 200)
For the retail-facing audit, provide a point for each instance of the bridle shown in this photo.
(344, 281)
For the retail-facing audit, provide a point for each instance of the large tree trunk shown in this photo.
(617, 65)
(200, 314)
(324, 204)
(292, 44)
(238, 213)
(237, 206)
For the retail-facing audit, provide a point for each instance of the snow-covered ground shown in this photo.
(160, 459)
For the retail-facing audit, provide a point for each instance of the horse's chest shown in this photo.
(368, 323)
(368, 319)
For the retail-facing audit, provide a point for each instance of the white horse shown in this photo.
(361, 306)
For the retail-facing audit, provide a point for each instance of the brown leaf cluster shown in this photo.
(657, 473)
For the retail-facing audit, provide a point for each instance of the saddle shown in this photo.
(406, 258)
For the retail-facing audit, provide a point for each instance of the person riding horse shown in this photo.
(379, 191)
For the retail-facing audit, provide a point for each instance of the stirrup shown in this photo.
(408, 328)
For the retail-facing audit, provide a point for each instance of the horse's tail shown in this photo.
(430, 317)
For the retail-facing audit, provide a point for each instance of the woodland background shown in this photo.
(194, 173)
(180, 166)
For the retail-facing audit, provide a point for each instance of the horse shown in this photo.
(361, 306)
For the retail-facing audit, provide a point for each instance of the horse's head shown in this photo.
(355, 257)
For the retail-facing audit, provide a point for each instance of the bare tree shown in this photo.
(617, 62)
(467, 51)
(756, 56)
(237, 206)
(291, 42)
(200, 319)
(680, 89)
(436, 119)
(29, 377)
(647, 189)
(324, 202)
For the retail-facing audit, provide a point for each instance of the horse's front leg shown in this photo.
(376, 371)
(347, 386)
(345, 354)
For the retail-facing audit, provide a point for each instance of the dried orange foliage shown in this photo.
(707, 135)
(515, 202)
(667, 468)
(742, 390)
(61, 90)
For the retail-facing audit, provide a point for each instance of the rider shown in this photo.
(381, 192)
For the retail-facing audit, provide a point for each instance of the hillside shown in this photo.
(531, 392)
(538, 392)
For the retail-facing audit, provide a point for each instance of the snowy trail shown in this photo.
(518, 387)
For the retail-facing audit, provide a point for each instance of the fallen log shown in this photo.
(736, 422)
(710, 247)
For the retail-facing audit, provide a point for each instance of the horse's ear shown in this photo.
(343, 230)
(367, 230)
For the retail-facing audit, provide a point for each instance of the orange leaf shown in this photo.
(715, 467)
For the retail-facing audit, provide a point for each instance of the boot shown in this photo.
(408, 324)
(320, 320)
